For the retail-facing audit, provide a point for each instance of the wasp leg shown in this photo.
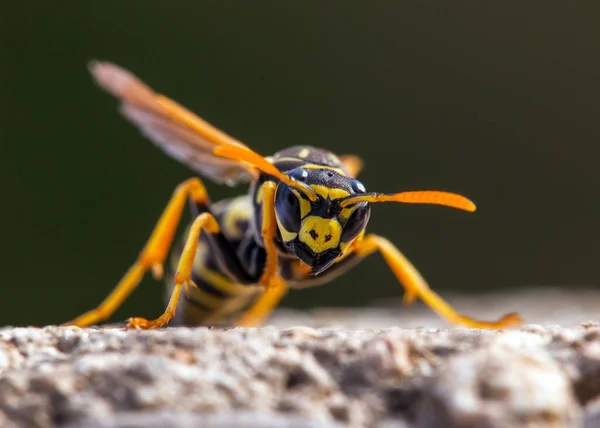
(183, 275)
(270, 277)
(152, 256)
(263, 306)
(416, 286)
(275, 286)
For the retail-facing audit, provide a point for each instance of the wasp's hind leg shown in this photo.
(152, 256)
(183, 276)
(416, 286)
(262, 307)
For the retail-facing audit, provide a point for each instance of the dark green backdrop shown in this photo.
(492, 100)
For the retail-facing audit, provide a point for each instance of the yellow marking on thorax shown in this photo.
(334, 158)
(320, 233)
(304, 153)
(329, 192)
(237, 210)
(304, 204)
(259, 194)
(310, 165)
(288, 159)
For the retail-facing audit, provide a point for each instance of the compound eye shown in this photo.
(357, 186)
(356, 223)
(287, 208)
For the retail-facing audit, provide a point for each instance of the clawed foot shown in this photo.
(144, 324)
(512, 319)
(409, 297)
(248, 322)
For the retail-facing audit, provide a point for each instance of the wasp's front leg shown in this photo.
(270, 277)
(275, 287)
(416, 286)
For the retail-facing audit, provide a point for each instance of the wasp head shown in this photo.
(319, 232)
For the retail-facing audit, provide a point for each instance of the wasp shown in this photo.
(302, 223)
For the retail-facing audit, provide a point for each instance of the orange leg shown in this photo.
(416, 286)
(275, 287)
(152, 256)
(184, 272)
(262, 307)
(270, 277)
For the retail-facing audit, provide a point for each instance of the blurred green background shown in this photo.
(496, 101)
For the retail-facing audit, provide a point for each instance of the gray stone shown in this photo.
(322, 372)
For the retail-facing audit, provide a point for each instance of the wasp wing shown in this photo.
(176, 130)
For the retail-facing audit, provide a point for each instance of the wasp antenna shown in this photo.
(434, 197)
(244, 154)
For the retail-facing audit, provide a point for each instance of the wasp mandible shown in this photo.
(302, 222)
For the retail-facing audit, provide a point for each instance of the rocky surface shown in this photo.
(322, 368)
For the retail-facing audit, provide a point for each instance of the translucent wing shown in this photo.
(176, 130)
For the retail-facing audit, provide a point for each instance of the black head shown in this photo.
(320, 231)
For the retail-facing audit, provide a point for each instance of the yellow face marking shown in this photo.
(320, 234)
(304, 204)
(303, 153)
(329, 192)
(286, 235)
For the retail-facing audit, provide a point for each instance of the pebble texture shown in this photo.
(302, 376)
